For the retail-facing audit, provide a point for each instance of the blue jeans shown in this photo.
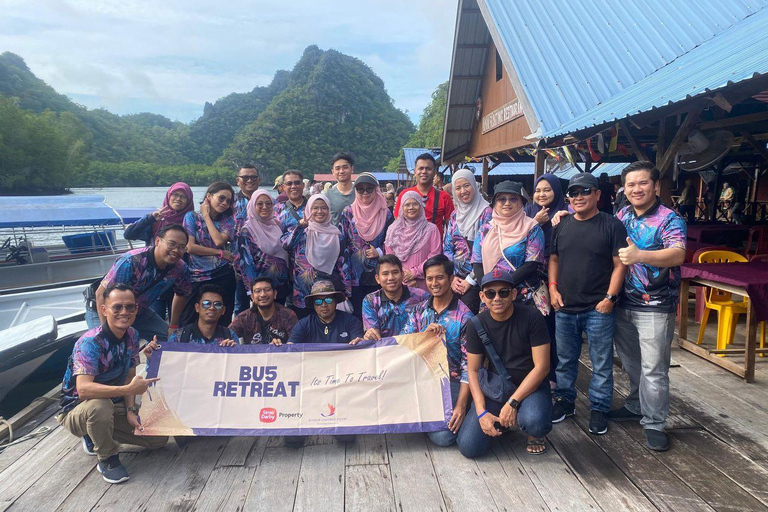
(534, 418)
(446, 437)
(599, 327)
(148, 323)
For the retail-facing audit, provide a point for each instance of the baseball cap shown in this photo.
(278, 182)
(583, 179)
(495, 276)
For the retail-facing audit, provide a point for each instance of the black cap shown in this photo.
(583, 179)
(509, 187)
(366, 177)
(495, 276)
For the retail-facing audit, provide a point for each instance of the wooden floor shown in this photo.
(718, 462)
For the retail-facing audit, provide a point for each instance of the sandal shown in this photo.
(535, 443)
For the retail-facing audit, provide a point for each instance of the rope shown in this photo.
(40, 432)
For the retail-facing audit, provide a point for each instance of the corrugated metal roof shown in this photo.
(502, 169)
(386, 176)
(586, 62)
(611, 169)
(410, 155)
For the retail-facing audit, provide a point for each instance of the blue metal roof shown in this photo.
(611, 169)
(410, 155)
(587, 62)
(70, 210)
(386, 176)
(502, 169)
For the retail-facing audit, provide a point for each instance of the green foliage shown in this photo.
(333, 102)
(141, 174)
(431, 124)
(39, 152)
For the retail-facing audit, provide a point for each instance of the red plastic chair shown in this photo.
(759, 238)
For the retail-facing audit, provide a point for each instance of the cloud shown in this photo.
(166, 57)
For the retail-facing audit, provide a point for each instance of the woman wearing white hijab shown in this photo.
(319, 251)
(259, 251)
(472, 211)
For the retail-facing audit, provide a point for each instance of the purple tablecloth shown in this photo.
(753, 277)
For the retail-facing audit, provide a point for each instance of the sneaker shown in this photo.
(88, 446)
(562, 409)
(623, 414)
(598, 423)
(656, 440)
(112, 471)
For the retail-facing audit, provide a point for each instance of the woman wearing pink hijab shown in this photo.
(413, 239)
(319, 250)
(260, 251)
(178, 201)
(365, 221)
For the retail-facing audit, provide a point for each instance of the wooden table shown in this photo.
(745, 371)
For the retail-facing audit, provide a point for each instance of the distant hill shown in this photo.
(328, 102)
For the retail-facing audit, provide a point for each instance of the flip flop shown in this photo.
(540, 441)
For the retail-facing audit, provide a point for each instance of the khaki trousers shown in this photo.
(107, 425)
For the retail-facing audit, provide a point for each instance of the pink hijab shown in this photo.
(370, 220)
(266, 233)
(322, 239)
(175, 217)
(405, 236)
(504, 232)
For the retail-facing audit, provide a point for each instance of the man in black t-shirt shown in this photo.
(519, 339)
(585, 260)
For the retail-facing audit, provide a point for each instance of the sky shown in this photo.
(170, 57)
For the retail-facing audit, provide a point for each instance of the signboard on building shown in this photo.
(502, 116)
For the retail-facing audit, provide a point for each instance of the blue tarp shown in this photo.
(69, 210)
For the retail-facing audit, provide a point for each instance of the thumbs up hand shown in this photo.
(631, 254)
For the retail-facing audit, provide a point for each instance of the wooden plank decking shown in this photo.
(718, 462)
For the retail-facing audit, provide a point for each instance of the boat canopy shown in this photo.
(69, 210)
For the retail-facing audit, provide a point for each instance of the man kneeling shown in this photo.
(515, 339)
(100, 386)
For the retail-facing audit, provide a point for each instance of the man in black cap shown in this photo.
(515, 340)
(585, 260)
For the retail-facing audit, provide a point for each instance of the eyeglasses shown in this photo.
(224, 199)
(130, 308)
(173, 246)
(583, 192)
(218, 306)
(503, 293)
(264, 204)
(249, 177)
(260, 291)
(365, 190)
(178, 195)
(327, 300)
(292, 183)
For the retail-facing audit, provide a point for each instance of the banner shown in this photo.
(395, 385)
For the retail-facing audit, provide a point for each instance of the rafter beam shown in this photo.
(636, 149)
(677, 141)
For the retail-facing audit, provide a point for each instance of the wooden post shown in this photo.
(636, 149)
(485, 175)
(539, 163)
(665, 162)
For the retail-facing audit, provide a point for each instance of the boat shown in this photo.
(58, 241)
(24, 348)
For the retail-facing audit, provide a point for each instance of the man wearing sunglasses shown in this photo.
(209, 307)
(248, 180)
(100, 385)
(291, 212)
(327, 324)
(585, 279)
(342, 194)
(149, 272)
(519, 338)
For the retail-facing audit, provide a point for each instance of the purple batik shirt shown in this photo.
(387, 316)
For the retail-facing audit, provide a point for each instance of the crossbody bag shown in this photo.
(496, 386)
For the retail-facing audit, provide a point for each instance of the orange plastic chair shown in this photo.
(721, 301)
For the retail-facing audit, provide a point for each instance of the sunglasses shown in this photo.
(218, 306)
(292, 183)
(130, 308)
(365, 190)
(507, 199)
(265, 204)
(503, 293)
(249, 177)
(583, 192)
(224, 199)
(327, 300)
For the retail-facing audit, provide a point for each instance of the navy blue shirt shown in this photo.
(311, 329)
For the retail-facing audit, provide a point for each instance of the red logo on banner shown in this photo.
(268, 415)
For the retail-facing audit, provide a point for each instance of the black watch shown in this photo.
(612, 298)
(513, 403)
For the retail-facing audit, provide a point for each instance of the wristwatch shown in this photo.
(134, 409)
(513, 403)
(612, 298)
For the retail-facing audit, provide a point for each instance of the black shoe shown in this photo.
(623, 414)
(598, 423)
(562, 409)
(656, 440)
(112, 471)
(88, 446)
